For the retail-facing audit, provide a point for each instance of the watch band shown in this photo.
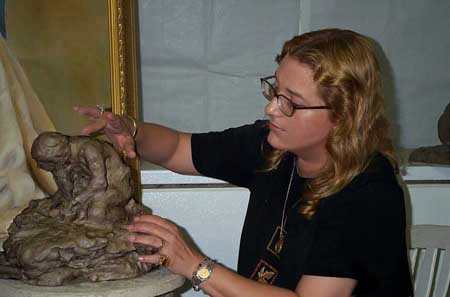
(202, 273)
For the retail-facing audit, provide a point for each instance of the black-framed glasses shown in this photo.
(285, 104)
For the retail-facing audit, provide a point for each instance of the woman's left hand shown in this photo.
(158, 232)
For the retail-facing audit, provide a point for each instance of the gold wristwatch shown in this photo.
(202, 273)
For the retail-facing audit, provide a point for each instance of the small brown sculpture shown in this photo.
(79, 233)
(438, 154)
(444, 126)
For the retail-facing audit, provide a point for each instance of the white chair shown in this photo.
(430, 260)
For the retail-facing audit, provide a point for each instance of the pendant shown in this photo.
(279, 245)
(276, 243)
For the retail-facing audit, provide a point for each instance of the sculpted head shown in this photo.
(51, 149)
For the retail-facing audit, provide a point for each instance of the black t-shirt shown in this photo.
(358, 233)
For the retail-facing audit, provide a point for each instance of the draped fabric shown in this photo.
(201, 60)
(22, 118)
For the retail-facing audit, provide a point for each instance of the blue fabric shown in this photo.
(2, 18)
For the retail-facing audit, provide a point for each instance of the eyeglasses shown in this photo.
(285, 104)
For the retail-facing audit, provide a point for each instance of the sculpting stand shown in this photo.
(156, 283)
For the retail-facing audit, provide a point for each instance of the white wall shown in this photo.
(430, 204)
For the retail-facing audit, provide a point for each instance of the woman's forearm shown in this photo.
(165, 147)
(156, 143)
(226, 283)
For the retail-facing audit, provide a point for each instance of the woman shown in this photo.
(326, 216)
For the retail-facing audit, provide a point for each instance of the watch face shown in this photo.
(203, 273)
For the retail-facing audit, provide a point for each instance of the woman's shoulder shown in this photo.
(231, 155)
(255, 128)
(379, 175)
(378, 170)
(376, 187)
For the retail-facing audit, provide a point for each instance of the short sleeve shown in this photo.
(232, 155)
(361, 235)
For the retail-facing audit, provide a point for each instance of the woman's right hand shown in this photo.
(118, 129)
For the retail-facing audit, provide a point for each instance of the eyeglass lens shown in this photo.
(269, 92)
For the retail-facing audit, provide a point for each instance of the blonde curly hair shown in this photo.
(347, 74)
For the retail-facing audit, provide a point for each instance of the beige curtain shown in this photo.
(22, 118)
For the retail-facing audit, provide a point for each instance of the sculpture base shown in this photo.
(155, 283)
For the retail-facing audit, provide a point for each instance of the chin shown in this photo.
(275, 142)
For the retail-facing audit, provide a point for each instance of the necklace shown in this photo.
(280, 242)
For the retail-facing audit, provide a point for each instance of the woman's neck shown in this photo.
(311, 166)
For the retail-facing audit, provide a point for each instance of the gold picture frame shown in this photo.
(78, 53)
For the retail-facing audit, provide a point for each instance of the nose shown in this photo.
(271, 108)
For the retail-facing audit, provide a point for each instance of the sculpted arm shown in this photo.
(90, 154)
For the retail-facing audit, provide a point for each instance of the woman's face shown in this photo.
(306, 132)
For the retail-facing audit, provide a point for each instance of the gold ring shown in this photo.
(100, 108)
(164, 260)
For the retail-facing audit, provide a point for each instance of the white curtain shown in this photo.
(414, 36)
(22, 118)
(201, 59)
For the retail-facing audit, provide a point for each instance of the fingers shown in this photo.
(88, 111)
(152, 230)
(94, 127)
(152, 259)
(149, 229)
(157, 220)
(173, 251)
(111, 125)
(94, 114)
(152, 235)
(150, 240)
(129, 149)
(115, 122)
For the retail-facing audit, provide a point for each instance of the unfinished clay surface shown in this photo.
(438, 154)
(444, 126)
(78, 234)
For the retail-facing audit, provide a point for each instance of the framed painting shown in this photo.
(77, 52)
